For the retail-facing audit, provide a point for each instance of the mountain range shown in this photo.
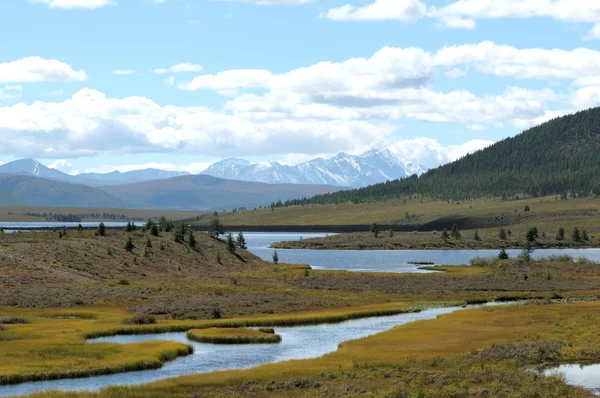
(342, 170)
(560, 157)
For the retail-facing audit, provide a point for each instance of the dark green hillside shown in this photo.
(32, 191)
(558, 157)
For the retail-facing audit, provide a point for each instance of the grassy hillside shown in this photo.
(558, 157)
(88, 214)
(204, 192)
(16, 190)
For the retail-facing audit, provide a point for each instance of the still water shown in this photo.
(582, 375)
(301, 342)
(380, 260)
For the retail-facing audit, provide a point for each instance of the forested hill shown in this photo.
(558, 157)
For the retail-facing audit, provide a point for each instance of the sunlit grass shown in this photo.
(232, 336)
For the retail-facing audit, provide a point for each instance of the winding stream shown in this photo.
(302, 342)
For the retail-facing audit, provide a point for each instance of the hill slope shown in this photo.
(558, 157)
(25, 190)
(202, 192)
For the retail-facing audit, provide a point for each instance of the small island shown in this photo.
(234, 336)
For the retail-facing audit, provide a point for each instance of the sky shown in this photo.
(103, 85)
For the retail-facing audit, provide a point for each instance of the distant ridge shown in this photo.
(342, 170)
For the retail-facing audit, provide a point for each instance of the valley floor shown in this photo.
(56, 291)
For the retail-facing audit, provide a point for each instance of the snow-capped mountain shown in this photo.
(342, 170)
(34, 168)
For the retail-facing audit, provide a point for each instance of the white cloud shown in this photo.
(72, 4)
(463, 14)
(58, 92)
(36, 69)
(10, 93)
(456, 73)
(62, 165)
(275, 2)
(91, 123)
(476, 127)
(169, 82)
(179, 68)
(430, 153)
(401, 10)
(124, 72)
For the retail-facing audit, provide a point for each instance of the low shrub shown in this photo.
(140, 320)
(560, 258)
(13, 321)
(480, 262)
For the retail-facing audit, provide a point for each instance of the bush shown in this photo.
(502, 234)
(140, 320)
(13, 320)
(124, 282)
(480, 262)
(560, 258)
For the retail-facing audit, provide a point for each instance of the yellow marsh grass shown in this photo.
(51, 348)
(448, 335)
(232, 336)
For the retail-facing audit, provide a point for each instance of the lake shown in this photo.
(582, 375)
(380, 260)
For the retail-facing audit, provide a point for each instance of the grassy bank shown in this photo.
(475, 352)
(232, 336)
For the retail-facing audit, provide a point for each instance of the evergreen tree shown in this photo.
(154, 230)
(455, 233)
(561, 234)
(149, 243)
(275, 257)
(80, 228)
(241, 241)
(532, 234)
(502, 234)
(149, 224)
(476, 236)
(503, 255)
(576, 235)
(192, 239)
(129, 227)
(230, 243)
(584, 235)
(445, 236)
(374, 230)
(129, 245)
(101, 231)
(179, 234)
(216, 228)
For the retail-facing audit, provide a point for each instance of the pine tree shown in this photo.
(241, 241)
(576, 235)
(179, 234)
(154, 230)
(532, 234)
(445, 236)
(129, 245)
(584, 235)
(455, 233)
(101, 231)
(192, 239)
(129, 227)
(561, 234)
(275, 257)
(476, 236)
(149, 243)
(80, 228)
(230, 243)
(502, 234)
(216, 228)
(503, 255)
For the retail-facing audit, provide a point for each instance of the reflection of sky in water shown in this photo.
(301, 342)
(587, 376)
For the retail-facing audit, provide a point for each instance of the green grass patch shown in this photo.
(233, 336)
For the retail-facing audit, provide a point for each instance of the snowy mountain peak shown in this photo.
(343, 169)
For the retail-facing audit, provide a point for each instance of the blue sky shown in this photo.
(81, 85)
